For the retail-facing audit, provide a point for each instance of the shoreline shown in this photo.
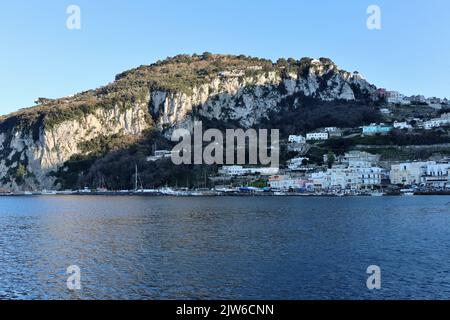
(219, 194)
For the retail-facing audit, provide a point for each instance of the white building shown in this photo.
(395, 97)
(232, 170)
(375, 128)
(333, 132)
(362, 159)
(317, 136)
(296, 163)
(286, 182)
(240, 171)
(418, 98)
(437, 175)
(370, 176)
(320, 180)
(297, 139)
(265, 171)
(350, 178)
(159, 154)
(409, 173)
(437, 122)
(402, 125)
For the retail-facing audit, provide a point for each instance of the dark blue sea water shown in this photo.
(224, 248)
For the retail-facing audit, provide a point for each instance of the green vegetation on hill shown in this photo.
(179, 74)
(309, 114)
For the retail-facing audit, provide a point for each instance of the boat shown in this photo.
(65, 192)
(48, 192)
(407, 192)
(85, 190)
(168, 191)
(377, 194)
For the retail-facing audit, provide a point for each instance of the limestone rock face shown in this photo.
(56, 145)
(249, 99)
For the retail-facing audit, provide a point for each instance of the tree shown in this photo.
(20, 173)
(330, 159)
(42, 101)
(207, 55)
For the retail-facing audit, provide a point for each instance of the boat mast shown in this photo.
(135, 178)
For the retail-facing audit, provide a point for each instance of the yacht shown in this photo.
(48, 192)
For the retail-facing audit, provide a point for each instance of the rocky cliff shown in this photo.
(38, 141)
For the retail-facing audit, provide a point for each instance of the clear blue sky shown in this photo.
(40, 57)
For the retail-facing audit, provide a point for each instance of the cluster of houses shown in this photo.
(372, 129)
(382, 128)
(429, 174)
(361, 171)
(319, 135)
(356, 171)
(395, 97)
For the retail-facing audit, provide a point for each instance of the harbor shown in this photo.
(237, 192)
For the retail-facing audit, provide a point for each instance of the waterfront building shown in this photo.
(437, 175)
(240, 171)
(286, 182)
(348, 178)
(320, 180)
(370, 177)
(429, 173)
(409, 173)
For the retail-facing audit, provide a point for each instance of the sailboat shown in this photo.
(136, 180)
(102, 187)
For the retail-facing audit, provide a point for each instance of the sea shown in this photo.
(152, 248)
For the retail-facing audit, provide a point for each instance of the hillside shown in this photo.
(66, 142)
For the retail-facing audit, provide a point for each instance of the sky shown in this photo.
(41, 57)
